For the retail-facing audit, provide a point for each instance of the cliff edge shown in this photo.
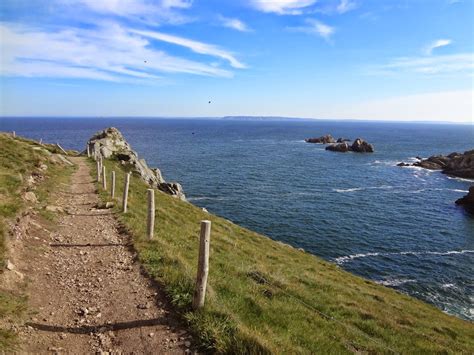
(110, 143)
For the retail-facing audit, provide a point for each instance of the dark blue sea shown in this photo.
(396, 226)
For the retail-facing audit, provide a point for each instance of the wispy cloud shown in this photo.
(195, 46)
(282, 7)
(108, 52)
(147, 10)
(315, 27)
(346, 6)
(234, 23)
(442, 64)
(428, 50)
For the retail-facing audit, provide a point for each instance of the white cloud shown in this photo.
(282, 7)
(428, 50)
(195, 46)
(315, 27)
(345, 6)
(109, 52)
(442, 64)
(234, 23)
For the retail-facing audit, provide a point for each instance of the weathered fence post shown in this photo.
(41, 141)
(112, 185)
(14, 134)
(125, 193)
(104, 178)
(61, 148)
(150, 225)
(88, 151)
(97, 163)
(203, 265)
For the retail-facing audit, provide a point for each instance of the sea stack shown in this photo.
(326, 139)
(359, 146)
(111, 143)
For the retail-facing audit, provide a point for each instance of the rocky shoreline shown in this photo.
(110, 143)
(455, 164)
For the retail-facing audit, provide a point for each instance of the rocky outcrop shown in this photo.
(468, 200)
(359, 146)
(342, 140)
(455, 164)
(322, 140)
(341, 147)
(110, 143)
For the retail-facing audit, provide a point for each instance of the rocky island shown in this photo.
(359, 146)
(341, 144)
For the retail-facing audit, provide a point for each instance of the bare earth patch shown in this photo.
(86, 291)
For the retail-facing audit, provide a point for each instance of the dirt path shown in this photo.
(85, 285)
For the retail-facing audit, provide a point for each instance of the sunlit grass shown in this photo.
(264, 296)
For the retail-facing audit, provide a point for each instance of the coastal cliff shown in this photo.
(110, 143)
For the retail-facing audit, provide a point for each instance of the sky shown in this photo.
(403, 60)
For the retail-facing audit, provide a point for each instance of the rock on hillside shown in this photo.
(455, 164)
(111, 143)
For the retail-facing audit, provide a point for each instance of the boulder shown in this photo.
(361, 146)
(110, 143)
(342, 140)
(467, 201)
(340, 147)
(322, 140)
(403, 164)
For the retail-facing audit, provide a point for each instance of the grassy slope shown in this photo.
(18, 160)
(264, 296)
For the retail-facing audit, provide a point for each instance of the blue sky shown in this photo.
(341, 59)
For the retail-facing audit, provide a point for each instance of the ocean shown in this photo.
(396, 226)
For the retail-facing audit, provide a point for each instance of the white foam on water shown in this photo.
(201, 198)
(459, 179)
(343, 259)
(394, 282)
(383, 187)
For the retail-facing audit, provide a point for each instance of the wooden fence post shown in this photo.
(14, 134)
(97, 163)
(203, 265)
(112, 186)
(41, 141)
(150, 225)
(61, 148)
(88, 151)
(104, 178)
(125, 193)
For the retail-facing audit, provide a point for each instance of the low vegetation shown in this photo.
(19, 159)
(266, 297)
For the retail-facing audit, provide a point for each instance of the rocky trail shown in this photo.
(85, 288)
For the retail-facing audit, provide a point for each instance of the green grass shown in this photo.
(18, 160)
(266, 297)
